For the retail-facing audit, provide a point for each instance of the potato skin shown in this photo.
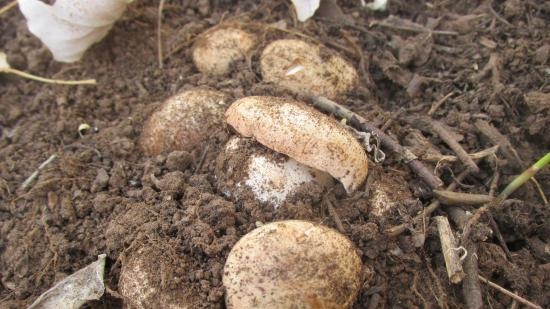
(218, 48)
(292, 264)
(302, 133)
(322, 73)
(183, 121)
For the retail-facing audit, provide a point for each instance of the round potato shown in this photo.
(152, 278)
(307, 69)
(183, 122)
(292, 264)
(247, 170)
(302, 133)
(217, 49)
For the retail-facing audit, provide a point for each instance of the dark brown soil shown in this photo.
(98, 195)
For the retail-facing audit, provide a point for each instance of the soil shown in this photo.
(98, 195)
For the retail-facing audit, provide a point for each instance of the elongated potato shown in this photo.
(302, 133)
(292, 264)
(307, 68)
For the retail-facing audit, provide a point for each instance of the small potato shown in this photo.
(292, 264)
(217, 49)
(152, 278)
(183, 122)
(302, 133)
(247, 170)
(307, 69)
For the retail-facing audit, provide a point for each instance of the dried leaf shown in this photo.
(305, 8)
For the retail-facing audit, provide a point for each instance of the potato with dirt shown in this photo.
(218, 48)
(183, 122)
(304, 134)
(153, 277)
(292, 264)
(307, 69)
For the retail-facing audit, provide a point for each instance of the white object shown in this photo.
(75, 290)
(69, 27)
(4, 61)
(245, 167)
(274, 181)
(376, 5)
(305, 8)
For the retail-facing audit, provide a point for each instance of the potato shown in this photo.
(183, 122)
(307, 69)
(292, 264)
(151, 277)
(247, 170)
(217, 49)
(302, 133)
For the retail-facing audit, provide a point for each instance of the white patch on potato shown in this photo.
(272, 181)
(245, 169)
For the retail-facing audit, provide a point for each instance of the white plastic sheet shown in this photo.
(75, 290)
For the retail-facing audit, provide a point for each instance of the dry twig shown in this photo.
(448, 158)
(508, 293)
(470, 285)
(498, 17)
(459, 198)
(437, 104)
(361, 123)
(449, 249)
(159, 33)
(396, 23)
(449, 139)
(34, 174)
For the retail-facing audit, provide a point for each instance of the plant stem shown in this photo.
(47, 80)
(524, 177)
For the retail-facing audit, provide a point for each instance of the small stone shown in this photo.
(118, 176)
(101, 181)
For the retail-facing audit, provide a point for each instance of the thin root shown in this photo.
(47, 80)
